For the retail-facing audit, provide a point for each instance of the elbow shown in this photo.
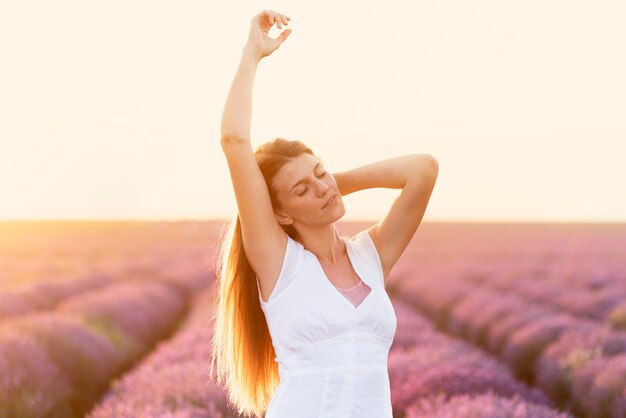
(427, 166)
(434, 163)
(435, 168)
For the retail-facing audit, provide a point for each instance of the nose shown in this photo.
(322, 188)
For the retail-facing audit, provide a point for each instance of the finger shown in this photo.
(278, 20)
(284, 19)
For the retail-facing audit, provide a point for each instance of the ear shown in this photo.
(283, 219)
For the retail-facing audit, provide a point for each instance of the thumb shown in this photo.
(284, 35)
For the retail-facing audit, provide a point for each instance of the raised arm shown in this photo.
(238, 108)
(392, 173)
(264, 240)
(416, 175)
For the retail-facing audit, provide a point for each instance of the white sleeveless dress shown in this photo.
(331, 355)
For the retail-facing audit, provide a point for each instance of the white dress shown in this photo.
(331, 355)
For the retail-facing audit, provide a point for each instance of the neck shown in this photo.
(325, 243)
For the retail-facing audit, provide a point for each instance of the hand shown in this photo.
(258, 40)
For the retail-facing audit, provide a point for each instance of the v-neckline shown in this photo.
(334, 289)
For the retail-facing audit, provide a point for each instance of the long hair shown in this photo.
(241, 343)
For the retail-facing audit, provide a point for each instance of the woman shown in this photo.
(303, 324)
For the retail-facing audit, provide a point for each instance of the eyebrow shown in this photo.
(314, 168)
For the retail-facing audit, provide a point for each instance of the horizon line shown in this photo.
(353, 220)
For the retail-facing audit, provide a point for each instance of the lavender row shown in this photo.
(430, 372)
(46, 295)
(598, 297)
(59, 363)
(570, 358)
(173, 381)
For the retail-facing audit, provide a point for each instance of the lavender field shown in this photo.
(111, 319)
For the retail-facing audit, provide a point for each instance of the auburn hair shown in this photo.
(241, 343)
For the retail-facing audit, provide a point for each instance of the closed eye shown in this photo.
(306, 188)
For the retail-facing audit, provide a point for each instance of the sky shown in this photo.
(112, 110)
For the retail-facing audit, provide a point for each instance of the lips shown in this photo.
(331, 200)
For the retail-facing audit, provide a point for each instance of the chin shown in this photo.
(340, 212)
